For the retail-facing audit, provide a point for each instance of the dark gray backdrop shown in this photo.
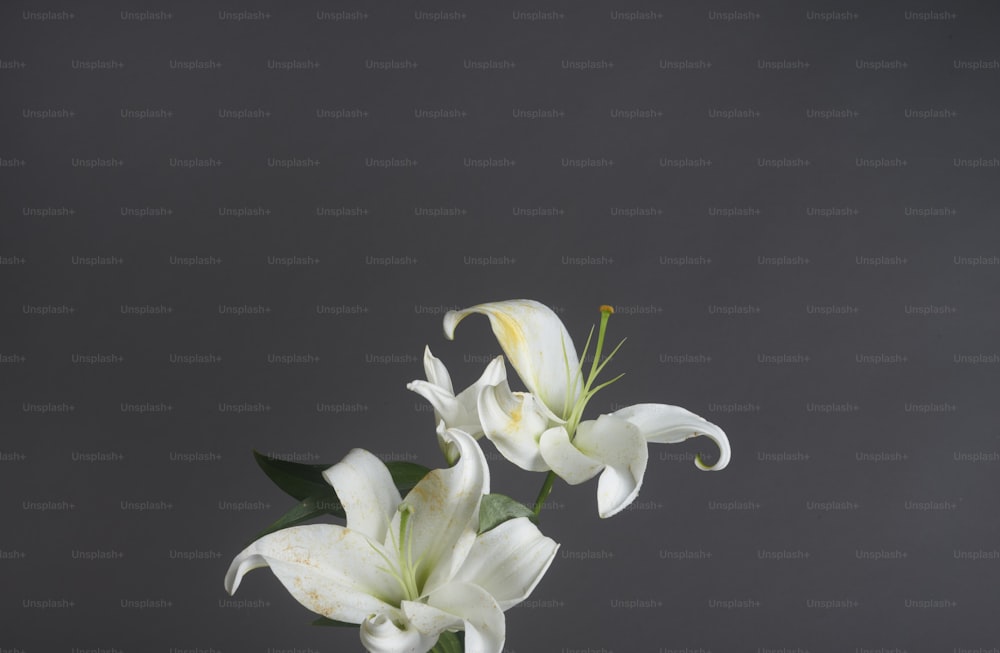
(791, 205)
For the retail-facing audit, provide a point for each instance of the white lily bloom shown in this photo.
(409, 569)
(543, 430)
(456, 411)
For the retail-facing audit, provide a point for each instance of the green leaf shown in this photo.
(498, 508)
(326, 621)
(316, 497)
(308, 508)
(297, 479)
(302, 480)
(406, 475)
(449, 643)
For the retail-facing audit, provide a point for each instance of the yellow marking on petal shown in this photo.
(512, 338)
(515, 418)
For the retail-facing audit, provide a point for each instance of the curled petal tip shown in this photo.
(245, 562)
(721, 463)
(451, 320)
(379, 634)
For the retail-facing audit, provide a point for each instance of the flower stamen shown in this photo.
(403, 570)
(407, 570)
(596, 365)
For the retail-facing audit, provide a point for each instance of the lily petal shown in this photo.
(332, 570)
(538, 346)
(509, 561)
(484, 622)
(571, 464)
(380, 634)
(513, 421)
(430, 620)
(436, 372)
(621, 447)
(457, 411)
(671, 424)
(367, 492)
(447, 407)
(445, 509)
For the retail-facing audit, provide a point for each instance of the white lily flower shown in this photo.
(543, 430)
(409, 569)
(455, 411)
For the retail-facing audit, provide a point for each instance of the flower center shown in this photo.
(403, 569)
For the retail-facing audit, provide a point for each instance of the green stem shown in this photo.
(543, 494)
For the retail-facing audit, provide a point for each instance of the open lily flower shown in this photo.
(543, 429)
(456, 411)
(408, 569)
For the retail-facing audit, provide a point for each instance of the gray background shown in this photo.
(825, 290)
